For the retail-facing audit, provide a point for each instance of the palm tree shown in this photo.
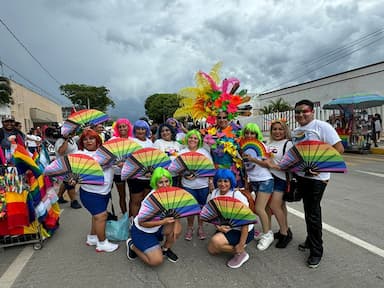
(276, 106)
(5, 91)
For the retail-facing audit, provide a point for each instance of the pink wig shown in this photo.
(116, 132)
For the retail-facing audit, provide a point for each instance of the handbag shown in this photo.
(292, 192)
(118, 230)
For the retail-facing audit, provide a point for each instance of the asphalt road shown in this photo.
(352, 207)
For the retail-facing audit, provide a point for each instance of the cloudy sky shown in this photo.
(138, 48)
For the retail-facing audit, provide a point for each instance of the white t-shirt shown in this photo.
(71, 147)
(256, 172)
(31, 140)
(199, 182)
(141, 211)
(316, 130)
(237, 195)
(171, 148)
(108, 179)
(276, 148)
(144, 144)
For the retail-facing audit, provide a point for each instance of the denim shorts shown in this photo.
(146, 241)
(263, 186)
(94, 203)
(199, 194)
(233, 236)
(279, 185)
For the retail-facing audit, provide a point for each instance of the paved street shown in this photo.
(352, 210)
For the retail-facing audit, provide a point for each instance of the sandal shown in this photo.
(188, 235)
(200, 232)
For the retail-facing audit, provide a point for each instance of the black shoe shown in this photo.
(313, 261)
(303, 246)
(170, 255)
(62, 200)
(284, 239)
(75, 204)
(131, 255)
(277, 235)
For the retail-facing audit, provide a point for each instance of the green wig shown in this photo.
(157, 174)
(197, 134)
(254, 128)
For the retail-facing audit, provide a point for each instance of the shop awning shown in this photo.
(40, 116)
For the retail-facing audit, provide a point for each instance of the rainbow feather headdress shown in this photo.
(207, 99)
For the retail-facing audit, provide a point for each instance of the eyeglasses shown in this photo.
(222, 117)
(304, 111)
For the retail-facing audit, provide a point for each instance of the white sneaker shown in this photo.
(106, 246)
(265, 241)
(91, 240)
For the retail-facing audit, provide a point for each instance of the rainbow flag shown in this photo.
(23, 161)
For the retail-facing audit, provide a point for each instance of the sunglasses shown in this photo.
(222, 118)
(304, 111)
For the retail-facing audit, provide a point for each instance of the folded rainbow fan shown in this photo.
(255, 145)
(192, 164)
(144, 161)
(80, 168)
(225, 210)
(115, 150)
(168, 202)
(313, 155)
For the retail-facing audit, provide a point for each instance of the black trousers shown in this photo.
(312, 191)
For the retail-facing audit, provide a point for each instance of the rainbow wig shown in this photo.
(142, 124)
(225, 174)
(116, 132)
(90, 133)
(157, 174)
(197, 134)
(254, 128)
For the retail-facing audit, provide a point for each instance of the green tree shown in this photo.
(87, 96)
(276, 106)
(159, 107)
(5, 91)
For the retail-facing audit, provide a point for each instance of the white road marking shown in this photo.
(361, 243)
(7, 279)
(371, 173)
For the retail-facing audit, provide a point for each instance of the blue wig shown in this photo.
(142, 124)
(225, 174)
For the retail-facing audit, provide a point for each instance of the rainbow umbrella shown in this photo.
(168, 202)
(88, 117)
(192, 164)
(144, 161)
(313, 155)
(115, 150)
(226, 210)
(78, 167)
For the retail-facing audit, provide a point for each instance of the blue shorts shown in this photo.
(233, 236)
(144, 241)
(279, 185)
(94, 203)
(263, 186)
(199, 194)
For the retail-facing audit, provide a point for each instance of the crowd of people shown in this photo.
(152, 240)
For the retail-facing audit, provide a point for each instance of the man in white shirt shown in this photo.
(313, 185)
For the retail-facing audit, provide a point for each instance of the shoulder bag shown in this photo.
(291, 193)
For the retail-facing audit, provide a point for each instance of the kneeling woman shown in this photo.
(227, 239)
(95, 198)
(147, 236)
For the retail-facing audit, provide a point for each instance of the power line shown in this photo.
(30, 82)
(26, 49)
(335, 55)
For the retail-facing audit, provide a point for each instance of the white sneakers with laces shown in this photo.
(106, 246)
(91, 240)
(265, 241)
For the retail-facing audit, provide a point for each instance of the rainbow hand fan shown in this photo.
(87, 117)
(192, 164)
(255, 145)
(225, 210)
(168, 202)
(313, 155)
(115, 150)
(144, 161)
(78, 167)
